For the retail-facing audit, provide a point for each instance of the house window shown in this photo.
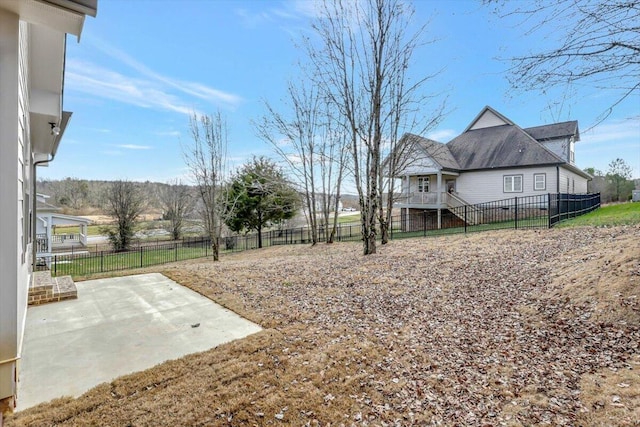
(423, 184)
(539, 181)
(513, 183)
(572, 152)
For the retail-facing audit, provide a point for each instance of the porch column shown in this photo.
(407, 201)
(49, 234)
(408, 184)
(83, 234)
(439, 198)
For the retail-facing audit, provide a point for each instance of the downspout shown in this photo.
(34, 217)
(66, 116)
(557, 179)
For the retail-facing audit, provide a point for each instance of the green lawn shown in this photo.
(611, 215)
(92, 230)
(345, 219)
(84, 265)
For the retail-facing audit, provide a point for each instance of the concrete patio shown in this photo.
(117, 326)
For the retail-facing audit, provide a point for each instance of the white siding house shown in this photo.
(32, 50)
(493, 159)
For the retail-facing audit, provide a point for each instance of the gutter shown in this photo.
(66, 116)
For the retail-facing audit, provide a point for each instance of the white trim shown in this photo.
(509, 183)
(536, 182)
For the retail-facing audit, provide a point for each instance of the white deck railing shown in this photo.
(422, 198)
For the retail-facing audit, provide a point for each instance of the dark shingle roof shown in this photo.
(499, 147)
(416, 147)
(555, 130)
(439, 152)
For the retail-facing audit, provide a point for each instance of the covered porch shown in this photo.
(430, 190)
(47, 241)
(433, 190)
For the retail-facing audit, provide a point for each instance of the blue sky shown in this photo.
(143, 66)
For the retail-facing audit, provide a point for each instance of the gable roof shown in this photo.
(437, 151)
(493, 141)
(488, 117)
(499, 147)
(555, 130)
(415, 148)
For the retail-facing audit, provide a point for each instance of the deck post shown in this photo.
(439, 198)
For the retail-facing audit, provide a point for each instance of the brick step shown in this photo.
(48, 289)
(66, 288)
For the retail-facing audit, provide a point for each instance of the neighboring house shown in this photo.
(32, 57)
(48, 217)
(493, 159)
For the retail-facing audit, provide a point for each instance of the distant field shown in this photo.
(610, 215)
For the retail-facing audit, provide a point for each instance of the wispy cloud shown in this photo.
(611, 140)
(442, 135)
(287, 11)
(134, 147)
(615, 131)
(97, 81)
(143, 87)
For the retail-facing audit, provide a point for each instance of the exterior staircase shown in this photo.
(45, 289)
(456, 205)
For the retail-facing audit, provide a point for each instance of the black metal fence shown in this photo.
(564, 206)
(86, 263)
(514, 213)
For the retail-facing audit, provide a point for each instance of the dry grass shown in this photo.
(497, 328)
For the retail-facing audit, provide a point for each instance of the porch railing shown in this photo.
(417, 198)
(67, 238)
(42, 243)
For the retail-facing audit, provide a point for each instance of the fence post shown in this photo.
(141, 248)
(101, 261)
(176, 248)
(465, 219)
(516, 212)
(424, 223)
(55, 265)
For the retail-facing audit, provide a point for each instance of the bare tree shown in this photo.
(308, 144)
(176, 201)
(362, 59)
(125, 204)
(333, 168)
(596, 43)
(206, 158)
(74, 193)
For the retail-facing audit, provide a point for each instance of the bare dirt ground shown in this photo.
(508, 328)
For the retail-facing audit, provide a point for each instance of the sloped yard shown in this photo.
(499, 328)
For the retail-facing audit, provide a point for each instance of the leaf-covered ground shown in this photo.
(499, 328)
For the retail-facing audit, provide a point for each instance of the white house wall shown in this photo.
(420, 165)
(487, 120)
(571, 182)
(15, 149)
(485, 186)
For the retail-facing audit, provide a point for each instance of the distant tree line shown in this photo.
(614, 185)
